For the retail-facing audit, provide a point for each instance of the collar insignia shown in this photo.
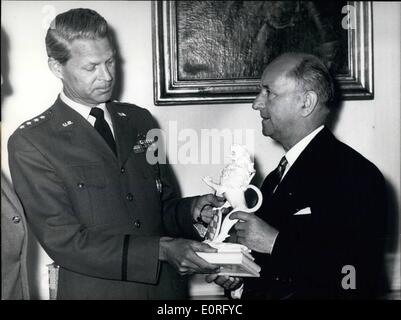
(67, 123)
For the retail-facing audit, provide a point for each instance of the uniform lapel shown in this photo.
(125, 132)
(79, 132)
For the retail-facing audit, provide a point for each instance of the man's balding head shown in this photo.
(296, 91)
(310, 73)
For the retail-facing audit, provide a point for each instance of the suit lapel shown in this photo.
(308, 161)
(297, 179)
(124, 131)
(268, 186)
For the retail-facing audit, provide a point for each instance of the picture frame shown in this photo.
(190, 66)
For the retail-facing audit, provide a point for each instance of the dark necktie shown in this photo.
(103, 128)
(277, 175)
(272, 181)
(280, 170)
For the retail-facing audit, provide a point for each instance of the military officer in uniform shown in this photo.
(111, 221)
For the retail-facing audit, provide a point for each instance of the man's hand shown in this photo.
(228, 283)
(202, 208)
(253, 232)
(180, 253)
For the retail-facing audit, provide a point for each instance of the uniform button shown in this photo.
(129, 197)
(122, 170)
(16, 219)
(137, 223)
(80, 185)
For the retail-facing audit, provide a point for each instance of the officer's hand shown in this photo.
(203, 207)
(180, 253)
(227, 282)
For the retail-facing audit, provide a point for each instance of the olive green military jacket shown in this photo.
(97, 215)
(14, 245)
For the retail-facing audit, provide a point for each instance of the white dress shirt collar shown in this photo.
(293, 154)
(84, 111)
(78, 107)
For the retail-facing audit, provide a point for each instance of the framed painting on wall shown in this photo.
(208, 52)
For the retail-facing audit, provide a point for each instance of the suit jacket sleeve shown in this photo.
(85, 250)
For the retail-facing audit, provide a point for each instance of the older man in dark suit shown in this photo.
(320, 230)
(100, 210)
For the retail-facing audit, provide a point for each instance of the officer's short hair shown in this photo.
(312, 74)
(71, 25)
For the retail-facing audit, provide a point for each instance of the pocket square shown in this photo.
(303, 211)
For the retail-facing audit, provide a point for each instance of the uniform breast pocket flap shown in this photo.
(90, 176)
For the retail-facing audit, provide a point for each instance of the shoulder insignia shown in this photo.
(36, 120)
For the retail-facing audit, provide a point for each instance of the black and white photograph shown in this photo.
(215, 151)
